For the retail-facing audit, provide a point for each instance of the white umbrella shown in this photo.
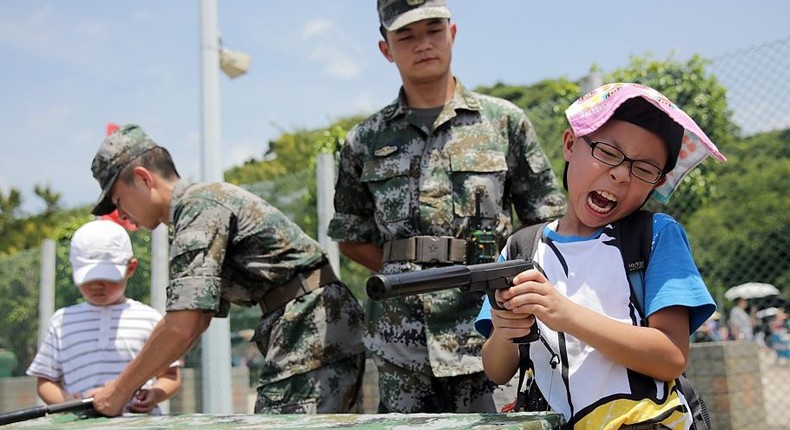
(751, 290)
(767, 312)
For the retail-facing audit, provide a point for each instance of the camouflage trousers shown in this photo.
(334, 388)
(406, 391)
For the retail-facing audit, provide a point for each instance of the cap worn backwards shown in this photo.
(100, 250)
(640, 112)
(396, 14)
(686, 141)
(115, 152)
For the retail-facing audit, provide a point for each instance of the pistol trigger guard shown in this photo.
(492, 300)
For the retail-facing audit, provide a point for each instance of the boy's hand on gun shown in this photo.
(532, 296)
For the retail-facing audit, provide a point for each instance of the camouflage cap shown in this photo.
(396, 14)
(115, 152)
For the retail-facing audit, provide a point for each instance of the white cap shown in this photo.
(100, 250)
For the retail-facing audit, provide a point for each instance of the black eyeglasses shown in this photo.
(608, 154)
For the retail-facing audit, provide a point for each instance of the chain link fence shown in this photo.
(749, 248)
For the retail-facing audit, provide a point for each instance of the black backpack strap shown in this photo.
(699, 410)
(521, 245)
(524, 365)
(523, 242)
(636, 249)
(634, 237)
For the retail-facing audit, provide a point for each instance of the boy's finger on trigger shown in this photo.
(526, 276)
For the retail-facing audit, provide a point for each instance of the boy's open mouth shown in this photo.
(601, 201)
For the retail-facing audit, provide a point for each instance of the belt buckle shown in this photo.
(431, 250)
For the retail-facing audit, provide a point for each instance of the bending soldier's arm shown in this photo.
(169, 341)
(366, 254)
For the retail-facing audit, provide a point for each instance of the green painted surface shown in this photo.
(524, 420)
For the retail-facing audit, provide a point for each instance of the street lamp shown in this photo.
(215, 356)
(233, 63)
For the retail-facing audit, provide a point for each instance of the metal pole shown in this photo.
(325, 180)
(160, 277)
(160, 267)
(46, 294)
(217, 395)
(46, 299)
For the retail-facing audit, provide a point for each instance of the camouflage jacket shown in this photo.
(230, 246)
(399, 179)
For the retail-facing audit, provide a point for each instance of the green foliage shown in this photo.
(741, 235)
(19, 304)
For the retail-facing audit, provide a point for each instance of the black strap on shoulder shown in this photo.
(635, 248)
(634, 237)
(521, 245)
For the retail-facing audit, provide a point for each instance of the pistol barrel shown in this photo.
(380, 287)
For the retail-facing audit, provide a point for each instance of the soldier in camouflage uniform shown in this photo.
(230, 246)
(415, 179)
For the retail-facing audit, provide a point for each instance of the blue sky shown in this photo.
(71, 67)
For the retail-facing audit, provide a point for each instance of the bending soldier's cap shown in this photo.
(644, 106)
(100, 250)
(396, 14)
(115, 152)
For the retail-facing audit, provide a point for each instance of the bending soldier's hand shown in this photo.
(111, 399)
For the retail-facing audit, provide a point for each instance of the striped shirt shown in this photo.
(88, 345)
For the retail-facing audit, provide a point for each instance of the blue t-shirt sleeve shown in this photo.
(483, 323)
(672, 277)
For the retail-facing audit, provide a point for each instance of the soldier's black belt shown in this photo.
(300, 285)
(426, 249)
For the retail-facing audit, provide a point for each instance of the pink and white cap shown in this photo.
(592, 110)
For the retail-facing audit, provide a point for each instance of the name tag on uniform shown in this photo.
(385, 151)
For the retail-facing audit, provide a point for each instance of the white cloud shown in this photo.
(336, 63)
(315, 27)
(34, 31)
(365, 103)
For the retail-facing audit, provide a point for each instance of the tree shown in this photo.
(741, 236)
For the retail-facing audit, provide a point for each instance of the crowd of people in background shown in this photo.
(768, 327)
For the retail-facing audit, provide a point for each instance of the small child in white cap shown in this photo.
(90, 343)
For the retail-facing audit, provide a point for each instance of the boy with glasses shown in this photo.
(600, 362)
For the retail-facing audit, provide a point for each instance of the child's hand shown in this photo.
(533, 295)
(510, 325)
(143, 401)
